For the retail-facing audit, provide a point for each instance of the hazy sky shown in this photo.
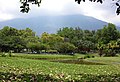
(9, 9)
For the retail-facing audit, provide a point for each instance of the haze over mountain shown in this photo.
(51, 24)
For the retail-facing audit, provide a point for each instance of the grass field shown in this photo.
(39, 68)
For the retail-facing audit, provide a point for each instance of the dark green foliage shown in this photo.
(107, 34)
(25, 5)
(84, 40)
(13, 39)
(108, 43)
(84, 46)
(66, 40)
(65, 47)
(88, 56)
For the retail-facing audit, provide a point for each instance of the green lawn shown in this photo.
(23, 67)
(44, 56)
(106, 60)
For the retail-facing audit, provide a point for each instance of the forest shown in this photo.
(67, 40)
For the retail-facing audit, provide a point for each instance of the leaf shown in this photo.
(83, 0)
(90, 0)
(31, 0)
(22, 10)
(76, 0)
(27, 4)
(117, 4)
(22, 7)
(94, 0)
(100, 1)
(118, 10)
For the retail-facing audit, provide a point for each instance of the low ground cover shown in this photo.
(31, 70)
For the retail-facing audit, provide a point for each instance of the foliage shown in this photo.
(108, 43)
(65, 47)
(51, 39)
(3, 54)
(88, 56)
(13, 39)
(109, 49)
(101, 47)
(25, 5)
(84, 46)
(33, 46)
(107, 34)
(66, 40)
(9, 54)
(20, 69)
(84, 40)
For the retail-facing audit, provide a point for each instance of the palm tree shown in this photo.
(112, 46)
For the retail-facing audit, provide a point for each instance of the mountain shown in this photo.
(118, 27)
(51, 24)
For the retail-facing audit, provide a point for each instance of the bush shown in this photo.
(93, 56)
(65, 47)
(4, 54)
(88, 56)
(9, 54)
(109, 53)
(52, 51)
(83, 52)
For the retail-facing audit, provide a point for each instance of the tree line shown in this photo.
(67, 40)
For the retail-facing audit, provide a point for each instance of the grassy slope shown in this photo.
(106, 60)
(44, 56)
(58, 70)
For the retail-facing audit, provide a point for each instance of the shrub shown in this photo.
(4, 54)
(52, 51)
(93, 56)
(88, 56)
(65, 47)
(10, 53)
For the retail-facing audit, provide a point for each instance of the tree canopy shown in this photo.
(67, 40)
(25, 4)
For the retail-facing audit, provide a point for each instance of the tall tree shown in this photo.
(107, 34)
(65, 47)
(51, 39)
(6, 37)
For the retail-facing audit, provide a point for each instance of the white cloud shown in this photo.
(9, 9)
(4, 16)
(53, 5)
(105, 11)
